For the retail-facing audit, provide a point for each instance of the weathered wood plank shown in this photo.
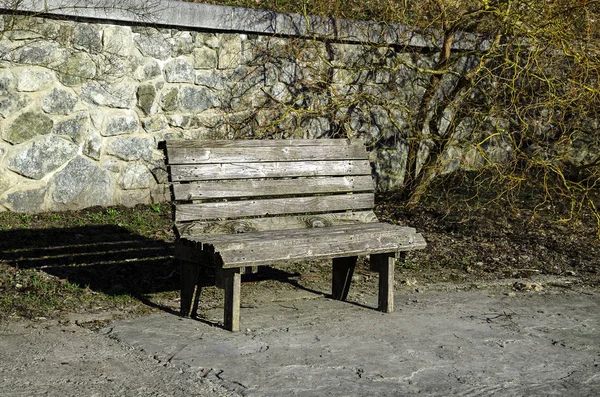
(319, 250)
(236, 154)
(341, 278)
(207, 172)
(385, 265)
(278, 206)
(209, 143)
(207, 190)
(306, 239)
(303, 235)
(275, 223)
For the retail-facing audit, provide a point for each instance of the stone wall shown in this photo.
(87, 94)
(84, 104)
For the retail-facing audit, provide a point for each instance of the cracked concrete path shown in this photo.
(474, 343)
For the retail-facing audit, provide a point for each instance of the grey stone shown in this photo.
(77, 69)
(197, 99)
(130, 149)
(146, 94)
(28, 201)
(112, 164)
(59, 101)
(280, 92)
(179, 71)
(37, 53)
(230, 51)
(38, 157)
(126, 123)
(160, 193)
(149, 69)
(210, 79)
(170, 99)
(152, 44)
(131, 198)
(81, 184)
(116, 95)
(27, 126)
(117, 40)
(34, 79)
(11, 103)
(75, 128)
(93, 147)
(155, 124)
(135, 176)
(182, 43)
(88, 38)
(183, 121)
(205, 58)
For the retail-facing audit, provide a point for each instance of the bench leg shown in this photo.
(189, 281)
(384, 263)
(343, 269)
(232, 280)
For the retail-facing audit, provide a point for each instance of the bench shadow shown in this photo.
(105, 258)
(112, 260)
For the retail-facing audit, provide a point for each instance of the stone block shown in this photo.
(88, 38)
(11, 103)
(59, 101)
(155, 124)
(26, 126)
(132, 148)
(170, 99)
(179, 70)
(205, 58)
(197, 99)
(36, 53)
(147, 70)
(115, 95)
(182, 43)
(230, 51)
(152, 44)
(118, 40)
(29, 201)
(76, 128)
(31, 79)
(77, 69)
(121, 123)
(81, 184)
(135, 176)
(146, 94)
(38, 157)
(131, 198)
(211, 79)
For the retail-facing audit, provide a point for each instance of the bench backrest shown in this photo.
(254, 185)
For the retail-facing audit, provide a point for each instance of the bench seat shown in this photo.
(276, 246)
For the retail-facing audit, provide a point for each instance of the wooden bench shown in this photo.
(246, 203)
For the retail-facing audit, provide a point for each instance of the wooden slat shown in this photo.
(208, 143)
(279, 206)
(207, 190)
(300, 236)
(275, 223)
(325, 249)
(206, 172)
(216, 155)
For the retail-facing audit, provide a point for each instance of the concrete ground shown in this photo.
(480, 342)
